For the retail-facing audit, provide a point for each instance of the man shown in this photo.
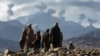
(22, 41)
(46, 39)
(56, 36)
(36, 43)
(30, 34)
(27, 36)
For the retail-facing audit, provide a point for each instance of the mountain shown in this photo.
(91, 39)
(95, 33)
(9, 44)
(15, 23)
(46, 20)
(11, 30)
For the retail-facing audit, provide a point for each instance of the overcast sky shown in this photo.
(75, 10)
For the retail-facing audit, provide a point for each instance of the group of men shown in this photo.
(36, 40)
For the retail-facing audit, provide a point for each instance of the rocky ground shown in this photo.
(55, 52)
(70, 50)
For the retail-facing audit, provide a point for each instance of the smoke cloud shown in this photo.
(41, 6)
(61, 13)
(82, 16)
(91, 21)
(10, 11)
(11, 6)
(51, 11)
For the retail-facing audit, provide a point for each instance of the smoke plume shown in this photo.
(61, 13)
(10, 11)
(51, 11)
(91, 21)
(82, 16)
(41, 6)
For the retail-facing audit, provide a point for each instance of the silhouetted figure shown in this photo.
(36, 43)
(70, 46)
(45, 40)
(30, 34)
(27, 36)
(56, 36)
(22, 41)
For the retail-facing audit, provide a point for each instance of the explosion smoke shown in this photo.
(91, 21)
(61, 13)
(82, 16)
(10, 11)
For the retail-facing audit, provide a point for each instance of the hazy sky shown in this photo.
(75, 10)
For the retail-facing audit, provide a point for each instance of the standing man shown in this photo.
(36, 43)
(56, 36)
(46, 39)
(27, 36)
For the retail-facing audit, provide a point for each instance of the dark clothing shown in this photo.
(27, 36)
(46, 40)
(56, 37)
(36, 43)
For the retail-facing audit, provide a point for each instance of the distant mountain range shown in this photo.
(91, 39)
(11, 30)
(45, 20)
(94, 33)
(9, 44)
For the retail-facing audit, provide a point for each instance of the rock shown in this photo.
(51, 46)
(78, 55)
(20, 54)
(9, 54)
(56, 49)
(42, 50)
(30, 53)
(1, 55)
(6, 51)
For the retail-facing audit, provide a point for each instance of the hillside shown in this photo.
(12, 45)
(91, 39)
(10, 30)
